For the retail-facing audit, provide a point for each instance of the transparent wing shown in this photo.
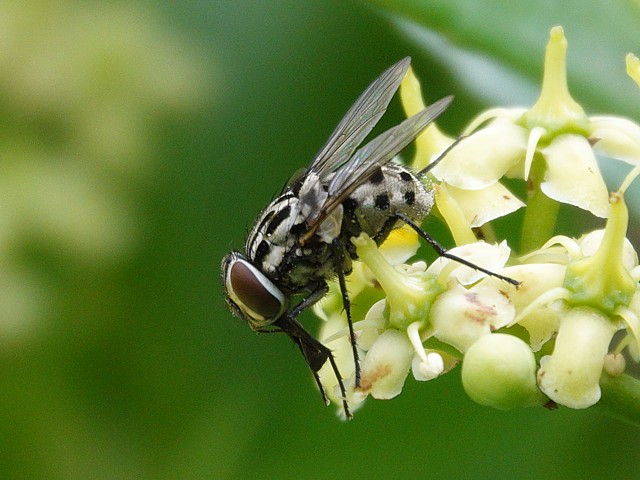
(359, 120)
(382, 149)
(372, 156)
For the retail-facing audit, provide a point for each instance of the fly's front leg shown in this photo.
(312, 298)
(315, 353)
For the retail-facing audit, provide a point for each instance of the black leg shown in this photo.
(343, 263)
(440, 250)
(352, 335)
(315, 354)
(313, 297)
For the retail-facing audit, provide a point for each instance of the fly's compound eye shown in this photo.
(253, 296)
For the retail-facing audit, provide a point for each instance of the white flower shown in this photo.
(573, 296)
(460, 316)
(363, 288)
(409, 291)
(597, 298)
(474, 203)
(420, 305)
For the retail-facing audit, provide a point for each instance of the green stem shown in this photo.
(541, 213)
(620, 398)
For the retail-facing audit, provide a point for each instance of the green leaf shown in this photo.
(511, 36)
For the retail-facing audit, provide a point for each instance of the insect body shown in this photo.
(281, 244)
(302, 238)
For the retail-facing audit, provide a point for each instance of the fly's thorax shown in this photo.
(274, 246)
(392, 190)
(270, 237)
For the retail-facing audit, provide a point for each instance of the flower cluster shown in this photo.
(548, 340)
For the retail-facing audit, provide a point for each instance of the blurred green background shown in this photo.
(139, 141)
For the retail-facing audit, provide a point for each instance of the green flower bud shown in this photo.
(499, 371)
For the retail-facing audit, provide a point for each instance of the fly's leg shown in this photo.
(307, 302)
(341, 259)
(352, 335)
(316, 355)
(440, 250)
(314, 352)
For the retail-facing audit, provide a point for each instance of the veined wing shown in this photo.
(369, 158)
(358, 122)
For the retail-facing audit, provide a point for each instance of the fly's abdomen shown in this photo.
(392, 190)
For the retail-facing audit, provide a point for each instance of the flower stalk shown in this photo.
(541, 213)
(620, 398)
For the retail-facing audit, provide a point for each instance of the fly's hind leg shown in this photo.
(441, 251)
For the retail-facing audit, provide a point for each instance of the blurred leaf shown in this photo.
(495, 51)
(512, 35)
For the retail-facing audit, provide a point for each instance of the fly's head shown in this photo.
(249, 293)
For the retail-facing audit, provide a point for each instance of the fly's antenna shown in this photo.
(429, 167)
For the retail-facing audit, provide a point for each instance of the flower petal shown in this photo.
(486, 204)
(482, 159)
(573, 175)
(570, 376)
(374, 322)
(633, 67)
(334, 334)
(631, 317)
(616, 137)
(511, 115)
(536, 279)
(485, 255)
(453, 215)
(386, 365)
(590, 243)
(431, 141)
(532, 144)
(401, 244)
(460, 316)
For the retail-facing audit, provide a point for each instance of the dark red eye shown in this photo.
(254, 294)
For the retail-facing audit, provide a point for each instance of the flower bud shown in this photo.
(614, 364)
(499, 371)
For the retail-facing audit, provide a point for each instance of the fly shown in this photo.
(301, 240)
